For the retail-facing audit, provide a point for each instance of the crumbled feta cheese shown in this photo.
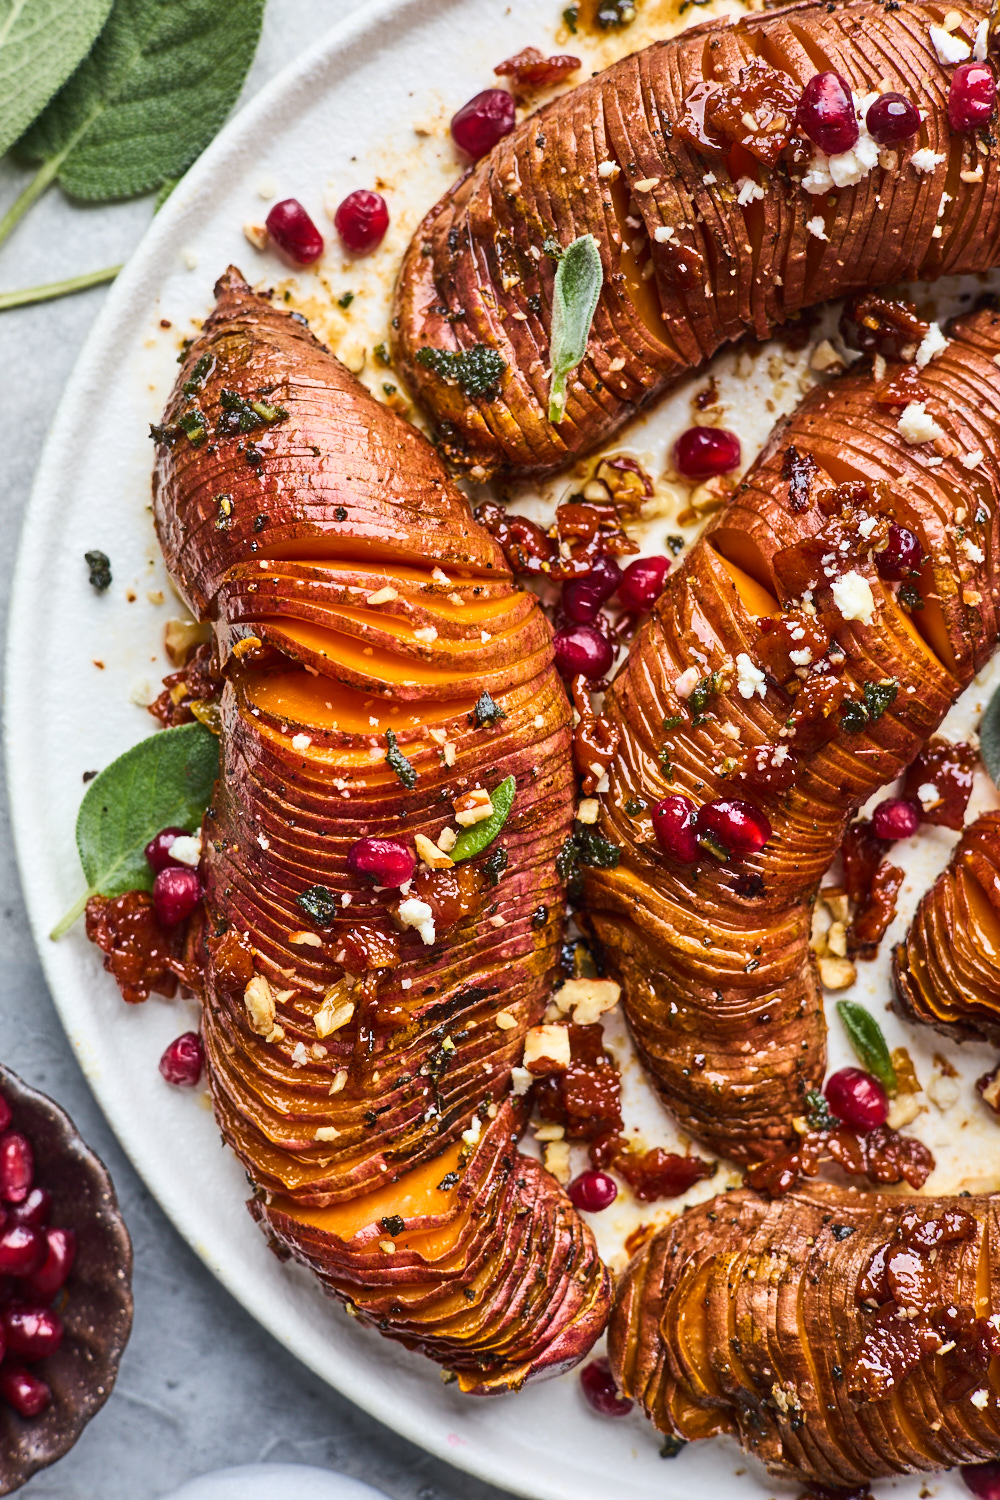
(299, 1055)
(950, 49)
(848, 167)
(943, 1091)
(852, 595)
(662, 234)
(187, 849)
(301, 741)
(931, 345)
(440, 576)
(588, 810)
(817, 228)
(520, 1080)
(475, 1130)
(925, 160)
(972, 460)
(418, 915)
(608, 169)
(383, 596)
(427, 634)
(928, 795)
(916, 425)
(327, 1133)
(867, 526)
(687, 682)
(800, 658)
(980, 1399)
(973, 553)
(646, 184)
(747, 191)
(749, 678)
(548, 1045)
(979, 45)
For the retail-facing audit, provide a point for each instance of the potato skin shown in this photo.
(476, 265)
(743, 1316)
(720, 988)
(282, 531)
(945, 970)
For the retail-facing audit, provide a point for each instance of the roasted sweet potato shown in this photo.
(379, 664)
(781, 669)
(841, 1336)
(947, 970)
(684, 163)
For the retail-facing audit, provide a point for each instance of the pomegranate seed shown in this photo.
(983, 1479)
(158, 849)
(582, 597)
(361, 221)
(582, 648)
(892, 118)
(704, 452)
(600, 1390)
(6, 1113)
(17, 1167)
(675, 825)
(294, 233)
(36, 1209)
(58, 1263)
(896, 818)
(183, 1060)
(23, 1391)
(644, 581)
(176, 893)
(388, 862)
(593, 1191)
(826, 113)
(34, 1332)
(23, 1249)
(741, 826)
(972, 98)
(482, 122)
(901, 555)
(857, 1098)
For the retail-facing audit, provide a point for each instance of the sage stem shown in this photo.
(57, 288)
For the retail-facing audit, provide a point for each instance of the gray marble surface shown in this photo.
(201, 1386)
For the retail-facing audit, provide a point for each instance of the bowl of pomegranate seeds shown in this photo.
(65, 1283)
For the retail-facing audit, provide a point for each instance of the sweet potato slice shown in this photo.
(720, 989)
(357, 1063)
(700, 244)
(762, 1319)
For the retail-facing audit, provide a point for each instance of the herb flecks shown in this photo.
(100, 570)
(879, 696)
(584, 847)
(397, 761)
(706, 688)
(486, 711)
(198, 375)
(319, 904)
(241, 416)
(818, 1115)
(475, 371)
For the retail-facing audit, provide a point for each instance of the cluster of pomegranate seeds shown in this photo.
(857, 1098)
(35, 1261)
(486, 119)
(891, 119)
(681, 827)
(599, 1388)
(183, 1060)
(361, 221)
(387, 862)
(582, 643)
(896, 818)
(592, 1191)
(826, 113)
(972, 98)
(901, 555)
(705, 452)
(983, 1479)
(582, 650)
(294, 232)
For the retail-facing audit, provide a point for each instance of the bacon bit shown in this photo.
(531, 69)
(196, 682)
(882, 1155)
(586, 1097)
(904, 387)
(948, 768)
(595, 739)
(138, 952)
(882, 325)
(875, 912)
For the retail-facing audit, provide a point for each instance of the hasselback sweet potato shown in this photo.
(379, 664)
(947, 969)
(684, 163)
(780, 668)
(841, 1336)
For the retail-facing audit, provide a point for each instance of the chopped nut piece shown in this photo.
(836, 940)
(546, 1049)
(257, 235)
(549, 1132)
(588, 999)
(505, 1020)
(383, 596)
(557, 1160)
(306, 939)
(588, 810)
(180, 638)
(339, 1081)
(473, 807)
(904, 1109)
(836, 973)
(258, 997)
(387, 1247)
(432, 856)
(447, 839)
(327, 1133)
(335, 1011)
(943, 1091)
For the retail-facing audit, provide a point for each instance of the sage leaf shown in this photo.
(865, 1036)
(989, 738)
(165, 781)
(41, 42)
(158, 84)
(578, 281)
(472, 841)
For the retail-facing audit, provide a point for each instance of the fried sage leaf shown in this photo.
(865, 1036)
(165, 781)
(989, 738)
(578, 282)
(472, 841)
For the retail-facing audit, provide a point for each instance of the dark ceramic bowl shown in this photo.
(96, 1308)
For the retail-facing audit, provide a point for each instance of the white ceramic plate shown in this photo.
(371, 102)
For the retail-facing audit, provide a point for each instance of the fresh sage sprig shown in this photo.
(989, 738)
(41, 42)
(865, 1036)
(578, 281)
(165, 781)
(472, 841)
(145, 101)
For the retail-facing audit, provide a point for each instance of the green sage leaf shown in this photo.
(989, 738)
(41, 42)
(865, 1036)
(165, 781)
(397, 761)
(154, 90)
(578, 281)
(472, 841)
